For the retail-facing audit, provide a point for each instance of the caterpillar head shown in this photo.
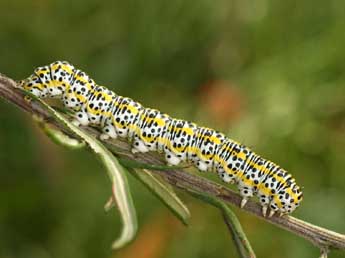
(49, 81)
(289, 197)
(34, 85)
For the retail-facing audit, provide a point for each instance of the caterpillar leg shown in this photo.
(76, 122)
(202, 166)
(121, 132)
(282, 214)
(246, 192)
(227, 178)
(243, 202)
(264, 210)
(264, 201)
(273, 209)
(81, 118)
(271, 213)
(108, 132)
(139, 146)
(172, 159)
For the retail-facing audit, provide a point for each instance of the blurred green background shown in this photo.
(270, 74)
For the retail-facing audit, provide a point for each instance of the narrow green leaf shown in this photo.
(240, 239)
(120, 188)
(164, 193)
(242, 243)
(59, 137)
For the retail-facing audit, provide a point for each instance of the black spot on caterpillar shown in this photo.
(151, 130)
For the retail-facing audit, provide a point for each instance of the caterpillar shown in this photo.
(181, 141)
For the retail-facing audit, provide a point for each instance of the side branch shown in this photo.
(318, 236)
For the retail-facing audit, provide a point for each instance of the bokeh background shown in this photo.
(270, 74)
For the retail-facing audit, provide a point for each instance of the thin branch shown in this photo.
(320, 237)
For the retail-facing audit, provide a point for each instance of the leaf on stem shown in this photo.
(120, 187)
(57, 136)
(241, 241)
(163, 192)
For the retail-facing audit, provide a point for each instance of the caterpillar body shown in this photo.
(151, 130)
